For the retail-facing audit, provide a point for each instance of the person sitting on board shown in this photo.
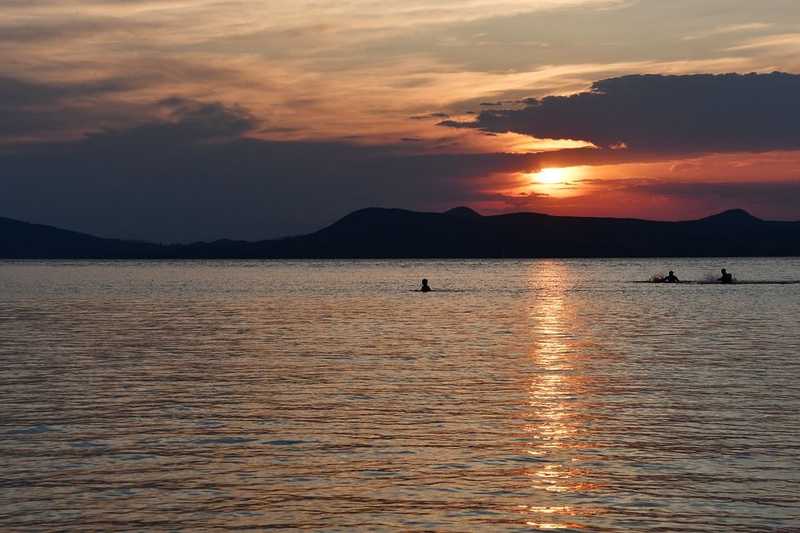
(671, 278)
(425, 287)
(726, 277)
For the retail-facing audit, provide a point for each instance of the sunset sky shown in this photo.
(179, 120)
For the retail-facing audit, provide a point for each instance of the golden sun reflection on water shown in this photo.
(556, 424)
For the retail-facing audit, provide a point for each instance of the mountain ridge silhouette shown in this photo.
(460, 232)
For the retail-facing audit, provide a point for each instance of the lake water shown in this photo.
(524, 395)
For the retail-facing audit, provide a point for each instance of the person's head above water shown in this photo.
(425, 287)
(724, 271)
(671, 273)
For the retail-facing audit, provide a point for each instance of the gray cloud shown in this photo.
(669, 114)
(188, 121)
(15, 92)
(36, 110)
(430, 116)
(30, 108)
(67, 28)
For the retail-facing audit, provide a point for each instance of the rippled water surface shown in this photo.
(523, 395)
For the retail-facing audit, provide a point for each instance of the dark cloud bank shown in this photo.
(193, 174)
(665, 114)
(30, 108)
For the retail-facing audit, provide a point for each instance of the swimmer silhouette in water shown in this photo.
(671, 278)
(727, 277)
(425, 287)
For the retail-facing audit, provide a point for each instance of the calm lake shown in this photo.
(520, 395)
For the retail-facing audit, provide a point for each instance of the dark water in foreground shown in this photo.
(328, 396)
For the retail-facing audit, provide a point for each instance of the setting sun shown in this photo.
(551, 176)
(556, 181)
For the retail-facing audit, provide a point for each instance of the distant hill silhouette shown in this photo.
(457, 233)
(21, 240)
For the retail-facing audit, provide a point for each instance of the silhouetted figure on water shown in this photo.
(669, 278)
(425, 287)
(726, 277)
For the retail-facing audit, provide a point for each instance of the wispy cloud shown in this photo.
(786, 42)
(327, 70)
(731, 28)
